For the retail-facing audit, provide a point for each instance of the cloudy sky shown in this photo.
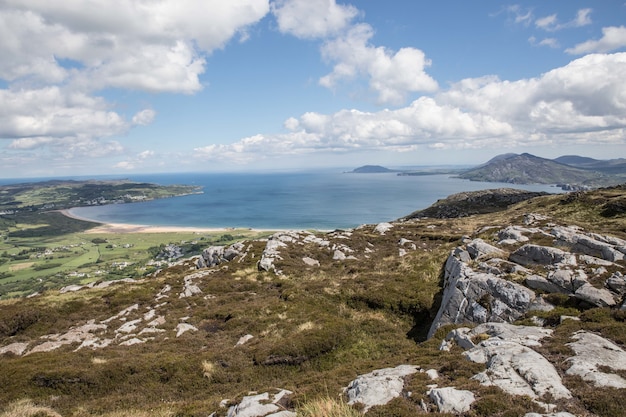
(128, 86)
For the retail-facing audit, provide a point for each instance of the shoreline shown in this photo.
(142, 228)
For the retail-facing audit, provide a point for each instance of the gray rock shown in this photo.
(593, 244)
(617, 283)
(540, 283)
(383, 228)
(339, 256)
(472, 297)
(478, 248)
(260, 405)
(517, 369)
(378, 387)
(559, 414)
(452, 400)
(599, 297)
(592, 353)
(310, 261)
(541, 255)
(512, 235)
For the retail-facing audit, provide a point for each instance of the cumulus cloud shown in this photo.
(57, 56)
(110, 48)
(312, 18)
(582, 102)
(392, 75)
(56, 113)
(613, 38)
(144, 117)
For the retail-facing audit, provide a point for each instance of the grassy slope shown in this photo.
(325, 325)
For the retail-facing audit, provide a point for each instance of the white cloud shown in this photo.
(392, 76)
(54, 112)
(150, 46)
(551, 23)
(549, 42)
(583, 102)
(144, 117)
(547, 22)
(312, 18)
(613, 38)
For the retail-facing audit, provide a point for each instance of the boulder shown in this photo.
(603, 247)
(512, 235)
(478, 248)
(451, 400)
(261, 405)
(310, 261)
(594, 352)
(474, 297)
(517, 369)
(599, 297)
(617, 283)
(383, 228)
(541, 255)
(378, 387)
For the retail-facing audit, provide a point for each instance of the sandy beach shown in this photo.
(139, 228)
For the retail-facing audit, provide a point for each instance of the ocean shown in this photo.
(301, 200)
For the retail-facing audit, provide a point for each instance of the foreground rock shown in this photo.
(378, 387)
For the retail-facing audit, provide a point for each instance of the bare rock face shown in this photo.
(592, 353)
(379, 387)
(476, 297)
(452, 400)
(261, 405)
(541, 255)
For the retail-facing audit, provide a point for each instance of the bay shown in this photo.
(303, 200)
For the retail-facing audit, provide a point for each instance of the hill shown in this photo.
(608, 167)
(371, 169)
(530, 169)
(399, 319)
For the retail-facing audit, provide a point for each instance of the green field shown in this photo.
(41, 251)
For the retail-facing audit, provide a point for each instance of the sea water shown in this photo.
(301, 200)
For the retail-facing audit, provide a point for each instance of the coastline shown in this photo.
(141, 228)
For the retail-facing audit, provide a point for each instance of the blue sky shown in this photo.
(130, 86)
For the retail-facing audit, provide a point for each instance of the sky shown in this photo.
(90, 87)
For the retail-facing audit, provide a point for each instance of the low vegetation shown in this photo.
(313, 328)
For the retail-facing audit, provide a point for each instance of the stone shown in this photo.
(378, 387)
(512, 235)
(478, 248)
(517, 369)
(474, 297)
(244, 339)
(617, 283)
(17, 348)
(592, 353)
(541, 255)
(310, 261)
(559, 414)
(451, 400)
(599, 297)
(184, 327)
(383, 228)
(261, 405)
(339, 256)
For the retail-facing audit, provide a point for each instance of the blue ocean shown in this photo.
(300, 200)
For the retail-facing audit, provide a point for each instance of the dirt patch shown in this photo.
(19, 267)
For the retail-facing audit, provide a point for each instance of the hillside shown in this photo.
(515, 311)
(609, 167)
(371, 169)
(530, 169)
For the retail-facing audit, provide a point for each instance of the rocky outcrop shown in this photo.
(378, 387)
(262, 405)
(451, 400)
(477, 280)
(593, 354)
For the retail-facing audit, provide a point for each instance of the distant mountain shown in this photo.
(530, 169)
(371, 169)
(575, 160)
(610, 166)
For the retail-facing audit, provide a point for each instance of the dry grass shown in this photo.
(26, 408)
(326, 407)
